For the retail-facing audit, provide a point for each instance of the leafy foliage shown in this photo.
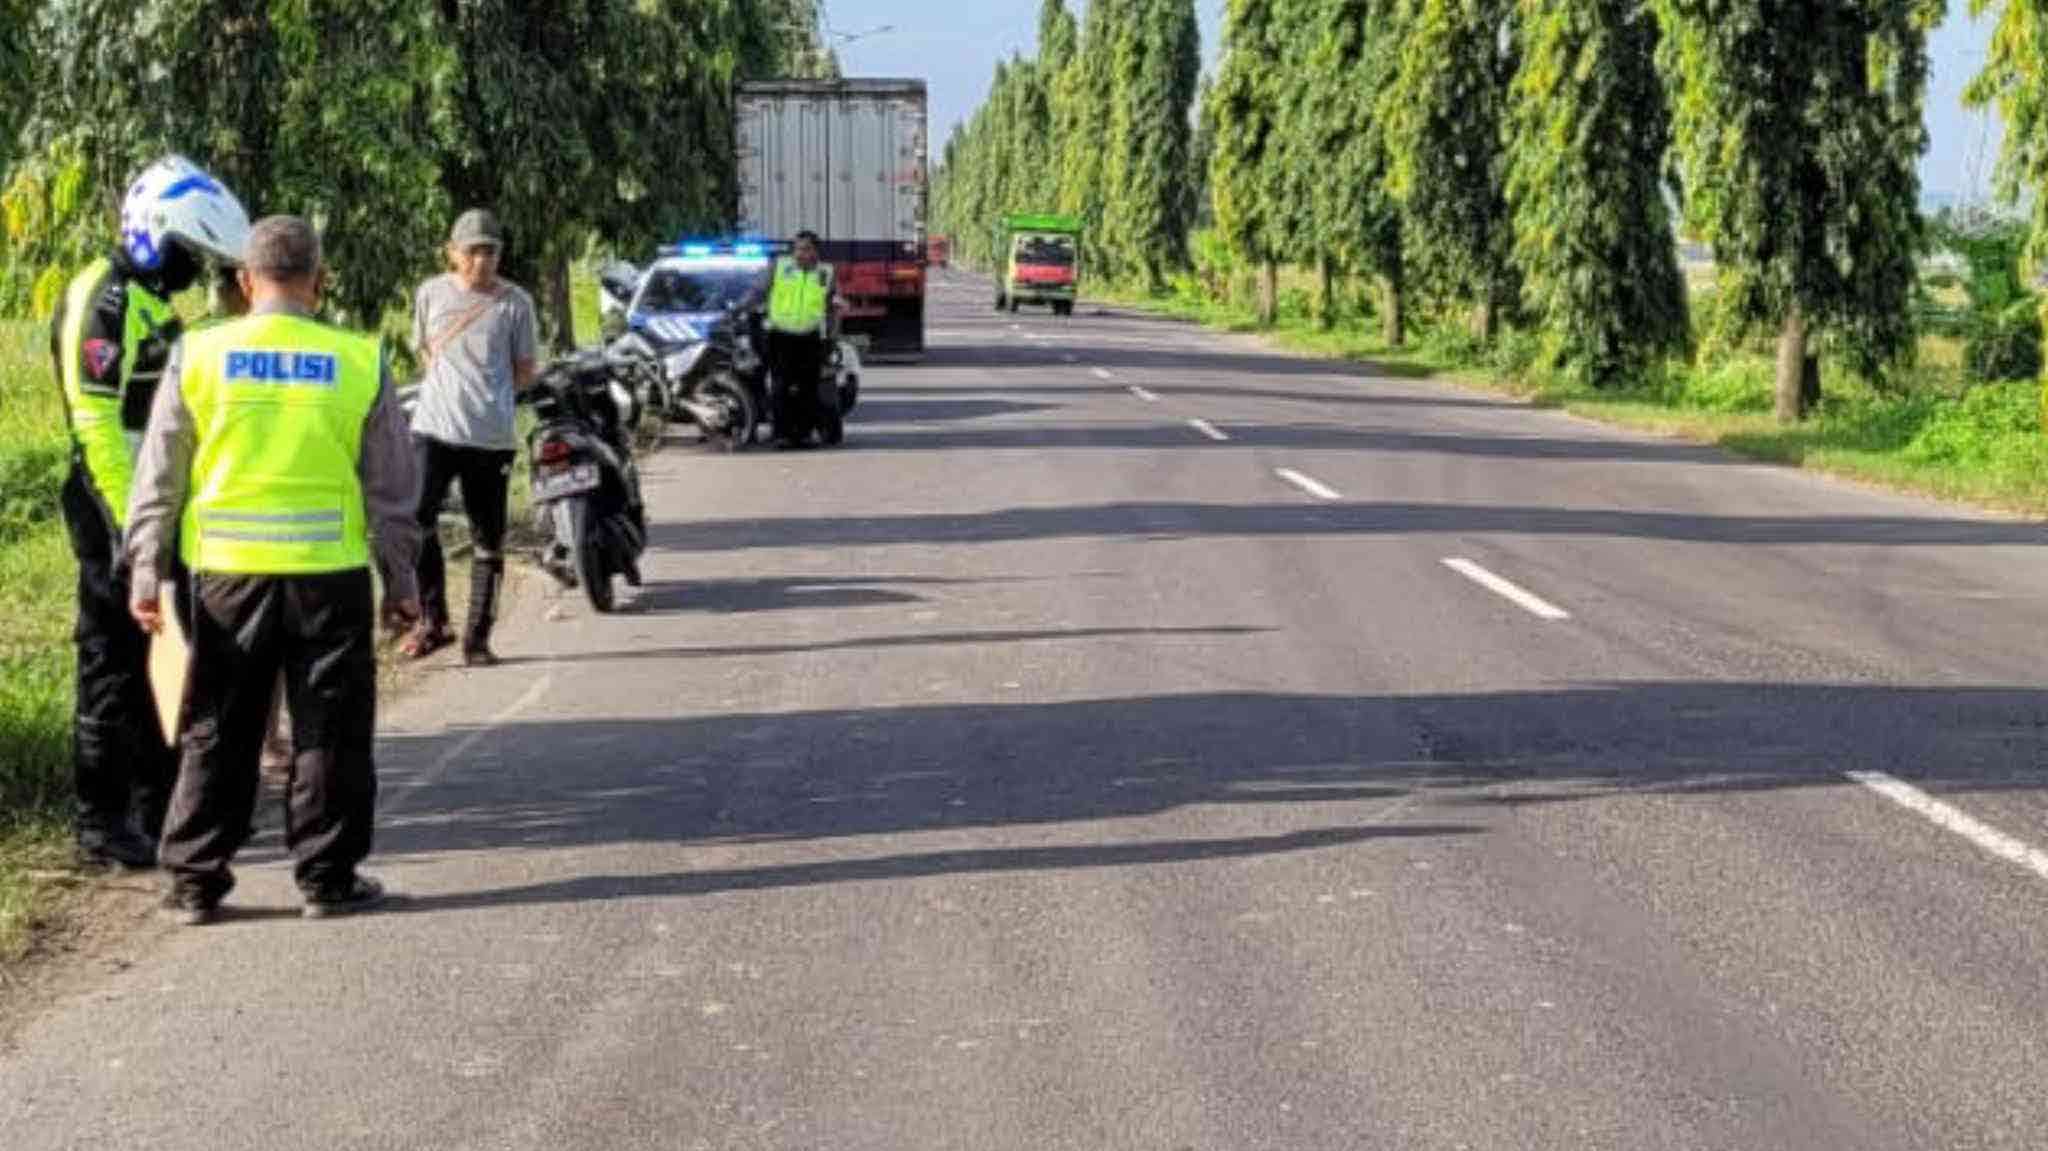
(1593, 234)
(1799, 129)
(1446, 112)
(597, 121)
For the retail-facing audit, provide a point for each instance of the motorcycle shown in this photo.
(585, 483)
(840, 371)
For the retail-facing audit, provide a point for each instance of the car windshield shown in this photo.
(697, 289)
(1056, 251)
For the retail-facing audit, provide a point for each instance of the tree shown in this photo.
(1201, 153)
(1351, 60)
(1245, 108)
(2015, 78)
(605, 119)
(1089, 92)
(1158, 60)
(1445, 112)
(1799, 134)
(1592, 226)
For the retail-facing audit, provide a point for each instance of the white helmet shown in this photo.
(176, 201)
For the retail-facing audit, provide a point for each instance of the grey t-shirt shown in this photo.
(466, 397)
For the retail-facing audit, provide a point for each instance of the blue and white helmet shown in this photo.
(176, 201)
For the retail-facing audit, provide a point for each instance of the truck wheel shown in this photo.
(1063, 307)
(1014, 305)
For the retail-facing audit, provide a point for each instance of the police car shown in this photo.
(689, 290)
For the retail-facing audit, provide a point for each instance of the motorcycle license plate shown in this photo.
(568, 481)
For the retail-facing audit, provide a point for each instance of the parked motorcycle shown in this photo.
(586, 485)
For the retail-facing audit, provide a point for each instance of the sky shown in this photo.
(954, 46)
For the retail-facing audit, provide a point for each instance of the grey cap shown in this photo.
(474, 227)
(283, 248)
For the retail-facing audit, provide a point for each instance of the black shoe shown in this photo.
(187, 909)
(479, 656)
(122, 849)
(361, 894)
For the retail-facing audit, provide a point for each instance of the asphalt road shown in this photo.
(1370, 764)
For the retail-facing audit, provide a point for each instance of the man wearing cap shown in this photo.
(476, 337)
(276, 456)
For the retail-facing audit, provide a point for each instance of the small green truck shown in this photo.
(1040, 262)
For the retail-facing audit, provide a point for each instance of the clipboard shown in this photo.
(170, 658)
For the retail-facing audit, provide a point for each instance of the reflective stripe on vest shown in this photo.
(278, 403)
(797, 300)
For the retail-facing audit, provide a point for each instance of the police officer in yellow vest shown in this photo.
(800, 313)
(279, 450)
(111, 336)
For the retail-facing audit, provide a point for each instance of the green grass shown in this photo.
(37, 580)
(1931, 432)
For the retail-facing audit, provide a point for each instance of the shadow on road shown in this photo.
(824, 775)
(1185, 520)
(889, 867)
(885, 642)
(1052, 353)
(1312, 437)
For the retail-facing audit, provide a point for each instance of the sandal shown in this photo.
(425, 641)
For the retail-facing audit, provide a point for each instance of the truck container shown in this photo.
(846, 159)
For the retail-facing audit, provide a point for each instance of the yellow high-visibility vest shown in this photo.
(797, 301)
(278, 402)
(95, 412)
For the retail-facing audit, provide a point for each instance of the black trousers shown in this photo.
(320, 630)
(797, 362)
(121, 765)
(486, 478)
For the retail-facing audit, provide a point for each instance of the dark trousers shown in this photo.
(320, 630)
(121, 765)
(486, 478)
(797, 362)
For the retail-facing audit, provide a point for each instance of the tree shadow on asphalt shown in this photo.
(1170, 520)
(887, 642)
(1248, 390)
(1310, 437)
(1332, 762)
(1030, 356)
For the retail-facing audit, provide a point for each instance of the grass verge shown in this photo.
(1932, 432)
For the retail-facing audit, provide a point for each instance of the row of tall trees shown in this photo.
(1098, 126)
(381, 119)
(1531, 162)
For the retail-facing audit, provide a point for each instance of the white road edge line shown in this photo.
(1144, 395)
(1954, 819)
(1103, 374)
(1309, 484)
(1210, 430)
(1532, 604)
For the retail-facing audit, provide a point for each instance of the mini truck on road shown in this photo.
(1041, 258)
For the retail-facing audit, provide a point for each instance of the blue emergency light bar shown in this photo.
(710, 249)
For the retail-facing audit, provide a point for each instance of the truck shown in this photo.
(1039, 256)
(846, 159)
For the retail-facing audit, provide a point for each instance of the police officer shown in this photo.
(279, 450)
(111, 336)
(799, 322)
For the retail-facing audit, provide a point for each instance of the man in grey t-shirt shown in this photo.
(475, 334)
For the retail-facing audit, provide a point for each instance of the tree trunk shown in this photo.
(1269, 293)
(1791, 385)
(561, 310)
(1485, 317)
(1393, 323)
(1326, 317)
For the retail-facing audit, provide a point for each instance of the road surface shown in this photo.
(1136, 739)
